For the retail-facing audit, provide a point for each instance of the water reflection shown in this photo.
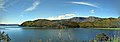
(13, 28)
(56, 35)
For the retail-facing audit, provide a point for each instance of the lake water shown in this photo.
(17, 34)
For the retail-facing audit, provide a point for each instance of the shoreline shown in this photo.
(107, 28)
(70, 28)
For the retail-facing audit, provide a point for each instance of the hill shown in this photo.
(75, 22)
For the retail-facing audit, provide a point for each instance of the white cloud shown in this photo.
(1, 4)
(65, 16)
(11, 2)
(85, 3)
(92, 11)
(34, 5)
(2, 7)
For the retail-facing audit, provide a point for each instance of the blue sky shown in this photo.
(18, 11)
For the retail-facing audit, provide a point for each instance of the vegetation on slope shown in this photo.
(75, 22)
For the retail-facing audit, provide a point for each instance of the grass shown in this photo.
(108, 28)
(116, 39)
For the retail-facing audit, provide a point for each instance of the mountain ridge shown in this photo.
(75, 22)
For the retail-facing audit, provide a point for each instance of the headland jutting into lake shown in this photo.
(75, 22)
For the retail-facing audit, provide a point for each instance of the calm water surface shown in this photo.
(17, 34)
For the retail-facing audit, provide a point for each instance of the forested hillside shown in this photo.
(75, 22)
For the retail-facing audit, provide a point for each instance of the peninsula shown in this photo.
(75, 22)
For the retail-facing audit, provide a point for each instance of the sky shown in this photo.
(19, 11)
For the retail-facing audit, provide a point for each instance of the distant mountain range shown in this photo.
(8, 24)
(83, 19)
(75, 22)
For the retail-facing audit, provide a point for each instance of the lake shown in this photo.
(17, 34)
